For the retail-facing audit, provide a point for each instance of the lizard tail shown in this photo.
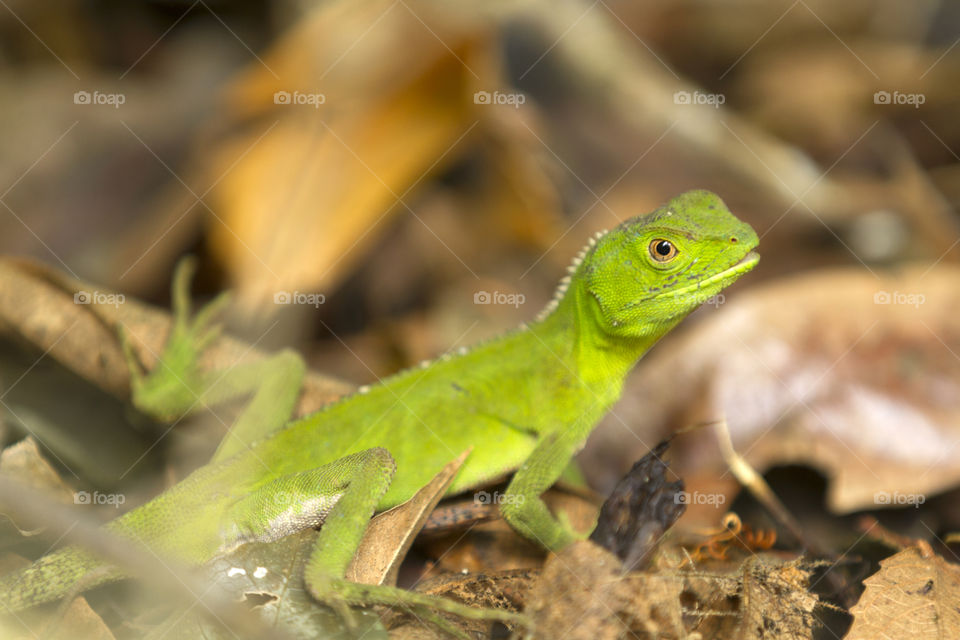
(67, 571)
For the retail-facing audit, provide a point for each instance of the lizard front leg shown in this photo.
(522, 506)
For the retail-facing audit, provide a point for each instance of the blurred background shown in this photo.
(390, 155)
(383, 180)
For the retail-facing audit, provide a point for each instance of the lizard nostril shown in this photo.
(733, 239)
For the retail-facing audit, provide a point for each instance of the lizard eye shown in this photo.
(662, 250)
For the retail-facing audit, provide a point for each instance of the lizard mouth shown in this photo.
(741, 266)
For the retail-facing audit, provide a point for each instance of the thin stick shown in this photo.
(757, 486)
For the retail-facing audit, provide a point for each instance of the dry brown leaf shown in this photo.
(78, 621)
(640, 510)
(582, 596)
(583, 593)
(764, 598)
(500, 590)
(776, 602)
(913, 595)
(298, 198)
(24, 462)
(855, 375)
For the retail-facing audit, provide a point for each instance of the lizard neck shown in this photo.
(599, 358)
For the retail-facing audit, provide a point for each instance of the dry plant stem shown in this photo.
(758, 487)
(871, 527)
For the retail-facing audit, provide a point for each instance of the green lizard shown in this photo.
(524, 403)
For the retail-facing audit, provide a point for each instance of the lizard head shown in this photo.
(653, 270)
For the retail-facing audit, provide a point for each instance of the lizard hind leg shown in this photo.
(341, 495)
(366, 477)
